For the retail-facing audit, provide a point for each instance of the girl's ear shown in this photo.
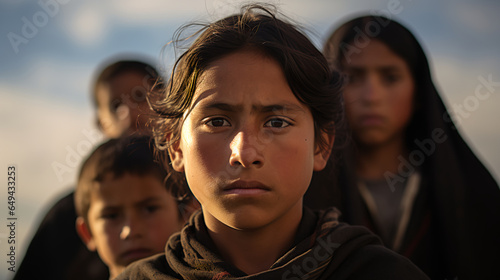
(323, 154)
(176, 156)
(83, 231)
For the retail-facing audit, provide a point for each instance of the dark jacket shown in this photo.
(324, 249)
(57, 252)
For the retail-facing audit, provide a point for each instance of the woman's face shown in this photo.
(379, 95)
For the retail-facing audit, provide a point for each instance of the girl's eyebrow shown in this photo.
(362, 69)
(284, 107)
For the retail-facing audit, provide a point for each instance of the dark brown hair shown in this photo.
(116, 157)
(257, 28)
(111, 69)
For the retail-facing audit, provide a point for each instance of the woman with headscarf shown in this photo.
(407, 175)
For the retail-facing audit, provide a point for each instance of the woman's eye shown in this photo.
(391, 78)
(277, 123)
(217, 122)
(354, 78)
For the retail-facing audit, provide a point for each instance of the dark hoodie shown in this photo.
(454, 228)
(323, 249)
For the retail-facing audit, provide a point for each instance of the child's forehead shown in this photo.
(120, 85)
(242, 59)
(243, 77)
(112, 183)
(129, 191)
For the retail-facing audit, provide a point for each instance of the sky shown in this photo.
(49, 50)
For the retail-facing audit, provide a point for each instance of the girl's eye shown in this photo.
(277, 123)
(217, 122)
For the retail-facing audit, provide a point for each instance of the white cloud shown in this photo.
(35, 133)
(481, 18)
(155, 11)
(150, 11)
(86, 24)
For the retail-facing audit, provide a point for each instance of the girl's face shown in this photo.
(379, 95)
(247, 146)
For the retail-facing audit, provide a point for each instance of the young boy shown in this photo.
(118, 94)
(250, 112)
(125, 212)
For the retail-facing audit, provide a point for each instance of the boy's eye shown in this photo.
(109, 216)
(277, 123)
(139, 94)
(151, 208)
(217, 122)
(115, 104)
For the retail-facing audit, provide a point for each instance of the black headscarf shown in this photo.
(454, 230)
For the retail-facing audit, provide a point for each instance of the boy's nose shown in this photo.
(126, 232)
(131, 229)
(246, 150)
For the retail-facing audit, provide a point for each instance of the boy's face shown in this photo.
(247, 146)
(121, 104)
(130, 217)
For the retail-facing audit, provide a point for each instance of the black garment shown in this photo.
(57, 252)
(324, 249)
(454, 229)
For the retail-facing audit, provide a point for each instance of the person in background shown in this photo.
(56, 252)
(125, 210)
(408, 175)
(119, 96)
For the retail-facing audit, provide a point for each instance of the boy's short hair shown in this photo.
(116, 68)
(116, 157)
(306, 70)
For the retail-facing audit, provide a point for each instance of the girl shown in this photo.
(249, 113)
(409, 176)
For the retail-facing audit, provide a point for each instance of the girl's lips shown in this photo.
(246, 188)
(245, 191)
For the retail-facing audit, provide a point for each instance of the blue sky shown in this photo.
(46, 115)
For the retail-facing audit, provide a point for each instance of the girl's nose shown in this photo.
(246, 150)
